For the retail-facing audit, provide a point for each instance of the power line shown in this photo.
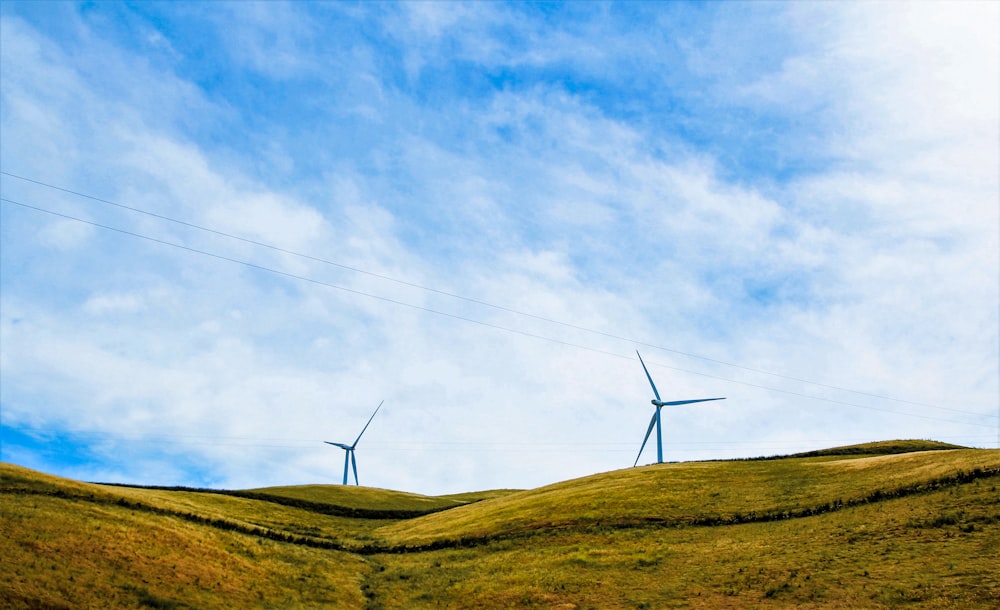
(414, 445)
(475, 301)
(487, 324)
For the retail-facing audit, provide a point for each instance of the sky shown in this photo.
(231, 229)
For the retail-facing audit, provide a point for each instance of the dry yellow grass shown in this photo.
(934, 550)
(374, 500)
(62, 553)
(919, 529)
(688, 492)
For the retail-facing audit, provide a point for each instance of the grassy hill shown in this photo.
(910, 523)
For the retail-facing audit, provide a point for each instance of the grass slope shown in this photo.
(688, 493)
(862, 526)
(937, 550)
(74, 545)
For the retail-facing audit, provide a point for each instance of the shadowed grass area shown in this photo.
(864, 526)
(882, 448)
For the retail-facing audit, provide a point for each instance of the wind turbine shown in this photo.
(655, 421)
(349, 456)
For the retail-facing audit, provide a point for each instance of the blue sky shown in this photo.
(478, 212)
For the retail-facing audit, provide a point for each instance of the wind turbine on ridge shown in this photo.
(349, 456)
(655, 421)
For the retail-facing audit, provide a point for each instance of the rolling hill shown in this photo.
(912, 523)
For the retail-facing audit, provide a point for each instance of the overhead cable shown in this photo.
(486, 324)
(475, 301)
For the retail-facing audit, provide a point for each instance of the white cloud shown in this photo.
(269, 38)
(923, 87)
(110, 303)
(64, 234)
(875, 271)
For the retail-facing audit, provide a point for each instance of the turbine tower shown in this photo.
(655, 421)
(349, 456)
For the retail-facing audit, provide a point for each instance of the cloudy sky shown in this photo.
(229, 230)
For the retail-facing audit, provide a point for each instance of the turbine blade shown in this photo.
(354, 463)
(688, 402)
(655, 393)
(341, 445)
(652, 423)
(366, 427)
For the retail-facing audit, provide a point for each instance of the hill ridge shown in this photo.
(960, 478)
(324, 508)
(597, 541)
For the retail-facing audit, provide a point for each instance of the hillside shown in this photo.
(862, 526)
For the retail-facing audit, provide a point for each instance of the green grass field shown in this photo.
(897, 524)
